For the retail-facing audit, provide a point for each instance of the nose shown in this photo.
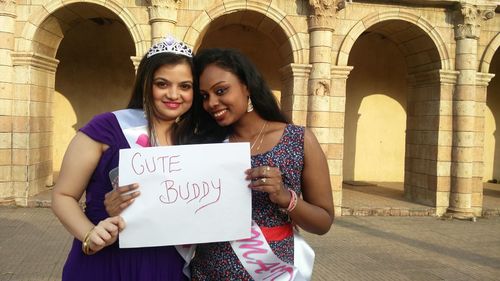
(172, 93)
(212, 101)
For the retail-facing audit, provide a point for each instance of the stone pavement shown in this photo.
(381, 236)
(34, 245)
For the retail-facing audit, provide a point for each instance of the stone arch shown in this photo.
(37, 19)
(200, 25)
(490, 51)
(375, 18)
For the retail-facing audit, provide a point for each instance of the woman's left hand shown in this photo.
(268, 179)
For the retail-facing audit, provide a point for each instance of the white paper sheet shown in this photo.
(189, 194)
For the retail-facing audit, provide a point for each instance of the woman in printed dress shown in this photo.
(289, 178)
(161, 100)
(290, 181)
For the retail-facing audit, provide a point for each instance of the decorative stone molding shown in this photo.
(35, 60)
(448, 76)
(483, 79)
(295, 70)
(433, 77)
(322, 13)
(426, 77)
(469, 18)
(163, 10)
(136, 60)
(340, 72)
(8, 8)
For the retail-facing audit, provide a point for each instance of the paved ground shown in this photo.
(408, 245)
(33, 246)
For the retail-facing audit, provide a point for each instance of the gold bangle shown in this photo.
(86, 243)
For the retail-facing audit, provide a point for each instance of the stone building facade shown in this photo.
(394, 90)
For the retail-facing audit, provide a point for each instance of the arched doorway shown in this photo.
(491, 156)
(240, 30)
(392, 112)
(94, 74)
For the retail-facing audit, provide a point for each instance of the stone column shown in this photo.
(429, 138)
(319, 84)
(294, 91)
(482, 81)
(467, 30)
(162, 18)
(318, 119)
(335, 154)
(7, 28)
(34, 80)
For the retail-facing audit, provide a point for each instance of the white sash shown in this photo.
(261, 263)
(134, 127)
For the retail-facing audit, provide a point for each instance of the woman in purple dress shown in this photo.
(161, 107)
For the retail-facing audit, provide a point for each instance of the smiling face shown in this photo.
(224, 97)
(172, 91)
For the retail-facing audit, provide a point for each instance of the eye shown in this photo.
(221, 91)
(186, 86)
(161, 84)
(204, 96)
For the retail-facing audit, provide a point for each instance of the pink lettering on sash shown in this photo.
(254, 254)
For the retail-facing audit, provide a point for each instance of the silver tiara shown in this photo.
(170, 45)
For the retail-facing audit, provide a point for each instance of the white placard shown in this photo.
(189, 194)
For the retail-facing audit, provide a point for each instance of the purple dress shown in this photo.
(217, 261)
(113, 263)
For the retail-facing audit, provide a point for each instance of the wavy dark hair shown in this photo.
(263, 100)
(142, 95)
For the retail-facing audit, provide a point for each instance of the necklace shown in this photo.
(261, 139)
(256, 139)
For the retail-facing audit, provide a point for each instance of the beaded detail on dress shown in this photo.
(217, 261)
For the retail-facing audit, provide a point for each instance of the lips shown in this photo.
(218, 115)
(172, 105)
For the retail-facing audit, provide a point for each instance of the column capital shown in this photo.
(483, 79)
(8, 8)
(433, 76)
(469, 17)
(448, 76)
(296, 70)
(34, 60)
(163, 10)
(164, 3)
(323, 13)
(341, 72)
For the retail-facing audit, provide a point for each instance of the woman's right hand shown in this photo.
(105, 233)
(120, 198)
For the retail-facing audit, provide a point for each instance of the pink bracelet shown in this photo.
(293, 201)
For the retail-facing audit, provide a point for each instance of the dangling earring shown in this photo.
(178, 119)
(249, 105)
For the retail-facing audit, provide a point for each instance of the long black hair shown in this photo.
(232, 60)
(142, 95)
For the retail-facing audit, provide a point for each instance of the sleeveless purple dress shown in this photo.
(113, 263)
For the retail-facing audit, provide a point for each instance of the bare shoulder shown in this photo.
(310, 138)
(276, 126)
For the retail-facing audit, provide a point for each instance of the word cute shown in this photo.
(150, 165)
